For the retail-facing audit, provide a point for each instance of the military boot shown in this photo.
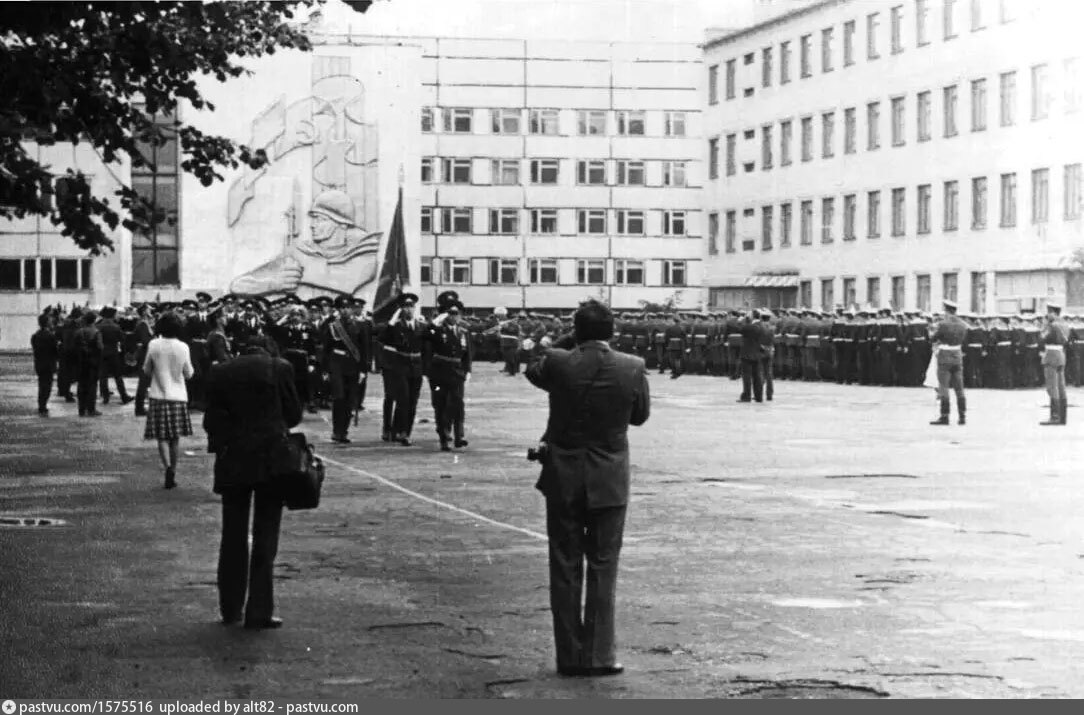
(946, 407)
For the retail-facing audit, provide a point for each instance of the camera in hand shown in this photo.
(538, 454)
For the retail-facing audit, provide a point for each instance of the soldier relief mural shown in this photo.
(325, 141)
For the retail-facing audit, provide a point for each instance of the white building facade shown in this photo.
(896, 153)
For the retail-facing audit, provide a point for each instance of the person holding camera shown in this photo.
(595, 393)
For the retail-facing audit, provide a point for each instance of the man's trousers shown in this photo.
(45, 387)
(401, 392)
(238, 572)
(448, 408)
(113, 368)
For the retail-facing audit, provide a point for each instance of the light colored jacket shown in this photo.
(168, 364)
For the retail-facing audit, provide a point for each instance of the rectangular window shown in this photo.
(673, 173)
(1040, 195)
(455, 271)
(713, 84)
(850, 130)
(591, 221)
(766, 218)
(786, 221)
(67, 274)
(784, 62)
(978, 292)
(504, 221)
(1008, 200)
(628, 273)
(873, 291)
(544, 171)
(850, 291)
(673, 223)
(899, 294)
(455, 220)
(977, 21)
(898, 128)
(828, 134)
(925, 192)
(828, 293)
(426, 273)
(505, 121)
(896, 26)
(949, 19)
(1072, 191)
(805, 60)
(978, 203)
(46, 281)
(713, 233)
(506, 172)
(544, 121)
(873, 214)
(673, 273)
(503, 271)
(675, 124)
(591, 173)
(731, 231)
(30, 273)
(978, 105)
(1040, 94)
(713, 158)
(427, 169)
(155, 250)
(950, 110)
(922, 12)
(806, 226)
(543, 221)
(731, 158)
(848, 43)
(427, 119)
(850, 213)
(872, 21)
(828, 219)
(458, 120)
(873, 126)
(731, 78)
(826, 49)
(1072, 84)
(952, 205)
(10, 274)
(786, 138)
(807, 138)
(922, 288)
(543, 271)
(591, 123)
(925, 111)
(591, 272)
(455, 171)
(766, 147)
(1008, 99)
(631, 122)
(766, 67)
(427, 219)
(630, 173)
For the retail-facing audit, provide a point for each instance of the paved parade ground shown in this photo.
(828, 544)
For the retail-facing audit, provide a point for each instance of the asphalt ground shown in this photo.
(830, 544)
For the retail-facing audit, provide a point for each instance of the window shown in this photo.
(786, 220)
(925, 192)
(749, 58)
(922, 288)
(848, 43)
(505, 121)
(458, 120)
(806, 63)
(673, 223)
(786, 136)
(766, 147)
(784, 62)
(675, 124)
(713, 233)
(1008, 200)
(713, 158)
(543, 271)
(155, 250)
(925, 110)
(426, 267)
(898, 292)
(628, 273)
(713, 84)
(828, 218)
(898, 129)
(591, 272)
(84, 274)
(873, 214)
(67, 274)
(427, 219)
(873, 126)
(504, 221)
(630, 173)
(427, 119)
(544, 121)
(731, 230)
(10, 274)
(807, 138)
(873, 291)
(731, 78)
(850, 130)
(952, 205)
(872, 21)
(673, 173)
(896, 26)
(506, 172)
(591, 221)
(749, 243)
(503, 271)
(455, 171)
(591, 123)
(826, 49)
(922, 12)
(978, 105)
(427, 169)
(977, 22)
(1072, 191)
(30, 274)
(543, 221)
(828, 134)
(766, 218)
(806, 226)
(46, 266)
(1040, 195)
(805, 291)
(544, 171)
(1040, 97)
(949, 18)
(850, 213)
(850, 291)
(766, 67)
(978, 292)
(455, 220)
(731, 159)
(978, 203)
(455, 271)
(1072, 84)
(950, 111)
(673, 273)
(828, 294)
(631, 122)
(1008, 99)
(591, 173)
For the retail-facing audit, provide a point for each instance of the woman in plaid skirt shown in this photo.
(168, 365)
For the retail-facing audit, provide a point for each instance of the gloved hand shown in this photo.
(439, 320)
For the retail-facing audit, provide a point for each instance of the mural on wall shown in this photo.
(322, 140)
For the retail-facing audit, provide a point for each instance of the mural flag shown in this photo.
(395, 271)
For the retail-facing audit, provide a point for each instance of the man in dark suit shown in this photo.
(755, 336)
(88, 351)
(112, 356)
(343, 357)
(46, 354)
(595, 393)
(251, 403)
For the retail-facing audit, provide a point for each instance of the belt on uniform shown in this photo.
(888, 340)
(975, 345)
(448, 358)
(1055, 347)
(338, 352)
(952, 347)
(400, 352)
(918, 340)
(1006, 342)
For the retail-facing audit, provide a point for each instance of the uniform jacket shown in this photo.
(448, 352)
(756, 340)
(112, 337)
(588, 427)
(88, 346)
(951, 332)
(402, 346)
(335, 355)
(46, 351)
(1056, 333)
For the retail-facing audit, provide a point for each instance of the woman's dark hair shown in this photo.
(169, 325)
(593, 321)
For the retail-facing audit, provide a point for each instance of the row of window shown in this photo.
(589, 122)
(950, 283)
(154, 253)
(546, 271)
(1040, 208)
(41, 274)
(1040, 109)
(506, 221)
(589, 172)
(872, 25)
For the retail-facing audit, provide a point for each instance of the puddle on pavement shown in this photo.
(57, 480)
(26, 522)
(822, 603)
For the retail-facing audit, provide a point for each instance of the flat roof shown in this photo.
(777, 20)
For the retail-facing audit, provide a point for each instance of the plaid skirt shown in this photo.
(167, 419)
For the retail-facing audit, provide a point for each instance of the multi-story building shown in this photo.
(896, 153)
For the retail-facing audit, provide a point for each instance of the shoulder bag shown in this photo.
(294, 466)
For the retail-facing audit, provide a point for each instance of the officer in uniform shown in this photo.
(298, 341)
(1074, 370)
(1055, 338)
(401, 340)
(975, 351)
(658, 342)
(509, 331)
(112, 356)
(768, 342)
(1001, 351)
(949, 337)
(365, 325)
(733, 343)
(343, 357)
(448, 359)
(676, 346)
